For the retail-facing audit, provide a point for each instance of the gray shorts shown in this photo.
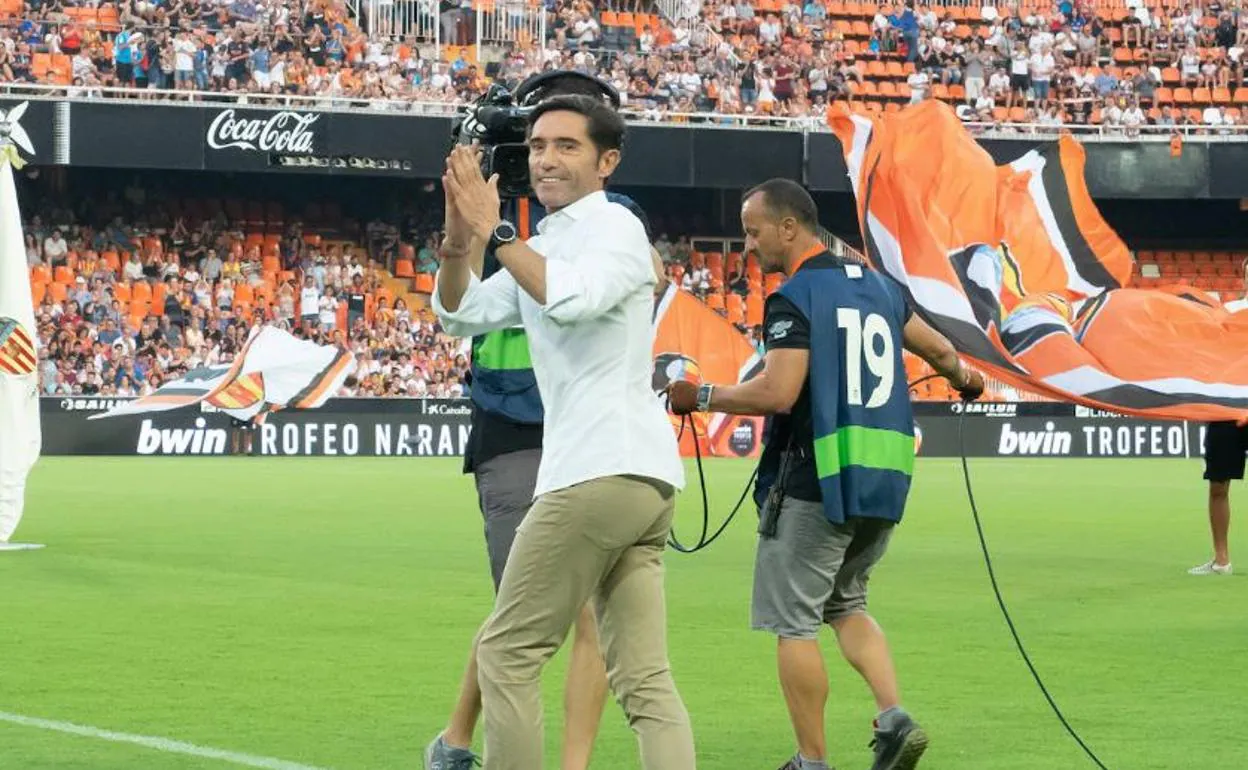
(505, 487)
(813, 571)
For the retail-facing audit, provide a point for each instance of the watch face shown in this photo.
(505, 231)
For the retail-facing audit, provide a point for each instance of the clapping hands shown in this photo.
(472, 202)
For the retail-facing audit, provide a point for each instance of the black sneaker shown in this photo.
(899, 748)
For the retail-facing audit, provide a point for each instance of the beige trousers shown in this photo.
(603, 539)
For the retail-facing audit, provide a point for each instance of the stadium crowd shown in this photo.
(135, 285)
(123, 307)
(132, 289)
(1071, 63)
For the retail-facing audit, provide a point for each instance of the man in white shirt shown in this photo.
(1212, 115)
(184, 49)
(1133, 117)
(309, 302)
(918, 82)
(610, 467)
(55, 248)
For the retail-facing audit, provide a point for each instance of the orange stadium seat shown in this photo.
(754, 309)
(736, 308)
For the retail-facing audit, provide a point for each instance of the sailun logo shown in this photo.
(1034, 442)
(199, 440)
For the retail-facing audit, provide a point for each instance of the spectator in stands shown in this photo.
(427, 257)
(978, 64)
(33, 254)
(356, 299)
(919, 82)
(55, 249)
(309, 302)
(698, 281)
(329, 310)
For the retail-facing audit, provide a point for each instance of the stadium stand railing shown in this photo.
(709, 120)
(1139, 48)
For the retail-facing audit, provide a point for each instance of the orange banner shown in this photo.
(693, 342)
(1015, 265)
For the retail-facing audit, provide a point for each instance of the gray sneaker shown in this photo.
(899, 748)
(795, 764)
(439, 756)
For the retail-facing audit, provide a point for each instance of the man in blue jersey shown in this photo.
(503, 453)
(835, 471)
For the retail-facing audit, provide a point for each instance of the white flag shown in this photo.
(21, 437)
(274, 369)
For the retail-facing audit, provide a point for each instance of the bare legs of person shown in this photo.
(804, 681)
(1220, 520)
(585, 696)
(1220, 527)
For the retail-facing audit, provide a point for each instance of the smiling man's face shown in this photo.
(564, 163)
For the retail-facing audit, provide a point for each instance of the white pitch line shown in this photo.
(158, 744)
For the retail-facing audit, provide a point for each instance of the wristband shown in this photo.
(703, 403)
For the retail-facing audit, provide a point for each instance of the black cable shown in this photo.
(703, 540)
(996, 589)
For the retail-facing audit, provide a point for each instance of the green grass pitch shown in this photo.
(319, 611)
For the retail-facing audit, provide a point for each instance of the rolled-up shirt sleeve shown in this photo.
(486, 305)
(612, 267)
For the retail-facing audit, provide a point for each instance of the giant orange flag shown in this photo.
(693, 342)
(1015, 265)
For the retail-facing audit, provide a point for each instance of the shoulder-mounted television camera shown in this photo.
(499, 121)
(499, 125)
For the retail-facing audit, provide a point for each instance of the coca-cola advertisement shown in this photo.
(276, 132)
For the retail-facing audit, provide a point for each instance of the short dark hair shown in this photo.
(786, 198)
(606, 127)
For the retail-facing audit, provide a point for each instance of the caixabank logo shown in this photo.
(1091, 413)
(461, 408)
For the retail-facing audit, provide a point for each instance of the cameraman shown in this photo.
(503, 453)
(835, 471)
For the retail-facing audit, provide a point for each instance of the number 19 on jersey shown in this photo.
(869, 340)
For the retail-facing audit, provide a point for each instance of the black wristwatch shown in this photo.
(504, 233)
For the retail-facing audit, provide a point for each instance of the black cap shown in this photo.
(561, 83)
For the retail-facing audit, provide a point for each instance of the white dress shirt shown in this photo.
(591, 345)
